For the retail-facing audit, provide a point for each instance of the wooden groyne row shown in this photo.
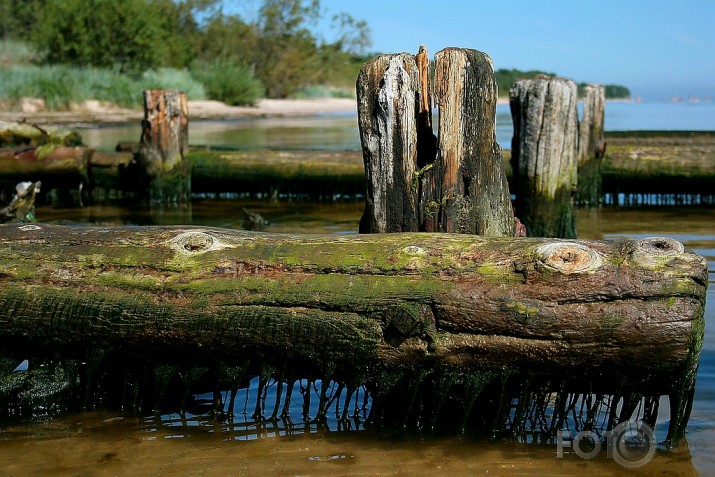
(647, 167)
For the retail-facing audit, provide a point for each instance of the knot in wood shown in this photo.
(27, 228)
(194, 242)
(661, 246)
(413, 250)
(567, 258)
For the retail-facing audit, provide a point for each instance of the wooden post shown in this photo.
(386, 90)
(543, 154)
(591, 146)
(466, 191)
(415, 181)
(164, 145)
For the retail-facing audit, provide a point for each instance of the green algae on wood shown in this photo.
(465, 310)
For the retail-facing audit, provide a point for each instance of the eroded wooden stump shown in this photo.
(164, 146)
(591, 146)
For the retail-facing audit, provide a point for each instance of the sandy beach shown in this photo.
(97, 112)
(91, 112)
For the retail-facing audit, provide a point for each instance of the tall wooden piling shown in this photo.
(544, 154)
(415, 181)
(386, 90)
(591, 146)
(164, 146)
(466, 191)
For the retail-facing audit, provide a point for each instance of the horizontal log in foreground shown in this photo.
(618, 318)
(394, 299)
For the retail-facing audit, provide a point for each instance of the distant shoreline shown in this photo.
(95, 112)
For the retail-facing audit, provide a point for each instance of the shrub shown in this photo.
(14, 53)
(171, 78)
(228, 82)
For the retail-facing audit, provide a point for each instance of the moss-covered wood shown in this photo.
(594, 315)
(677, 163)
(543, 154)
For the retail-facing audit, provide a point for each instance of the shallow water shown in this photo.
(339, 132)
(113, 443)
(106, 442)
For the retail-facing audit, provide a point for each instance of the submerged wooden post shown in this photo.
(164, 146)
(466, 191)
(543, 154)
(591, 146)
(415, 181)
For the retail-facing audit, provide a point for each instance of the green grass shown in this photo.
(60, 86)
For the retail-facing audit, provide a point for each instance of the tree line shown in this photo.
(279, 48)
(506, 77)
(238, 60)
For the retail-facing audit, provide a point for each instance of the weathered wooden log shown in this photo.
(32, 135)
(466, 191)
(388, 88)
(22, 206)
(591, 146)
(316, 174)
(543, 154)
(164, 145)
(622, 318)
(670, 166)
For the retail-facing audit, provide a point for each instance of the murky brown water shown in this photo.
(102, 444)
(110, 443)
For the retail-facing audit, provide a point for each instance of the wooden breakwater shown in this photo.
(659, 168)
(646, 168)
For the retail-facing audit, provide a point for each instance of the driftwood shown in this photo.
(22, 207)
(623, 319)
(164, 145)
(454, 182)
(543, 154)
(591, 146)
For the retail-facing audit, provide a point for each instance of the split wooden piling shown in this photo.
(452, 182)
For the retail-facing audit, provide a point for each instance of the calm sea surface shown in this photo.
(340, 132)
(105, 442)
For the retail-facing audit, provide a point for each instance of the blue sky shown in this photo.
(657, 48)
